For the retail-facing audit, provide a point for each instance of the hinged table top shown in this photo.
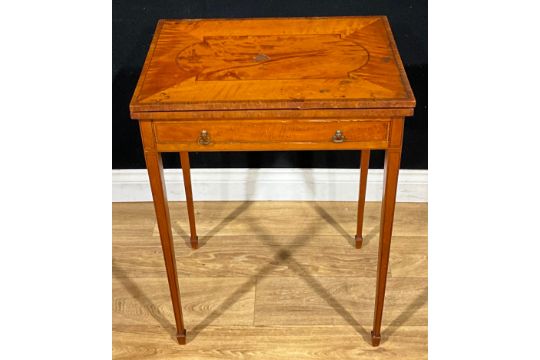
(272, 63)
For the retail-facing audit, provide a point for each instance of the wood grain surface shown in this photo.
(274, 131)
(275, 134)
(287, 63)
(271, 280)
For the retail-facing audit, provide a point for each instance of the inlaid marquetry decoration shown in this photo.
(290, 63)
(271, 57)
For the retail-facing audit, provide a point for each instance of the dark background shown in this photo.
(134, 22)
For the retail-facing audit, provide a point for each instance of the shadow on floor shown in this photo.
(411, 309)
(135, 291)
(216, 229)
(283, 256)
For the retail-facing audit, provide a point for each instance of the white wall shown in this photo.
(269, 184)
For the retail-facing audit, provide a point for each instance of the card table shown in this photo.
(327, 83)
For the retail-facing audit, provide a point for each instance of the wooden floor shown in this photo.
(271, 280)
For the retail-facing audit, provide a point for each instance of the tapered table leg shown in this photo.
(157, 183)
(184, 160)
(391, 171)
(364, 166)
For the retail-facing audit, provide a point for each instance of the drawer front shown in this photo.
(271, 134)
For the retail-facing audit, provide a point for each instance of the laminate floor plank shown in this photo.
(273, 343)
(311, 300)
(310, 218)
(248, 255)
(409, 265)
(223, 301)
(247, 259)
(271, 280)
(132, 221)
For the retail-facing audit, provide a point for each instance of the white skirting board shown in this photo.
(269, 185)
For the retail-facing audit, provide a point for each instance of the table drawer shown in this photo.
(272, 134)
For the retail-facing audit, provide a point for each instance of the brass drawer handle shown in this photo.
(338, 137)
(204, 138)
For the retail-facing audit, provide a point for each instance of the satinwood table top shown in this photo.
(272, 63)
